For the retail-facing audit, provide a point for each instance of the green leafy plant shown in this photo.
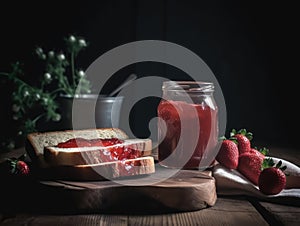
(60, 76)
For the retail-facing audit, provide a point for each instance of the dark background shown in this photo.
(251, 46)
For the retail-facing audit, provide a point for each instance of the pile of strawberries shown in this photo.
(236, 152)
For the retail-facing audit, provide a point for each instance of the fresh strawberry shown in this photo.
(228, 155)
(18, 166)
(243, 138)
(22, 168)
(272, 180)
(250, 166)
(260, 153)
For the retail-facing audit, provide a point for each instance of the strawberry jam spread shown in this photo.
(110, 153)
(81, 142)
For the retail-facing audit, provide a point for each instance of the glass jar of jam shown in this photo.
(187, 125)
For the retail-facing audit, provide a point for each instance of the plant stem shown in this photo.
(64, 82)
(56, 90)
(16, 79)
(79, 89)
(38, 117)
(73, 68)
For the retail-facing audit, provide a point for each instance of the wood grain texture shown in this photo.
(287, 215)
(185, 191)
(50, 220)
(225, 212)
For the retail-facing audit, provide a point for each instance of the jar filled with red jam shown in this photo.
(187, 125)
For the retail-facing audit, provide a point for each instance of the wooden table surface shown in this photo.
(229, 210)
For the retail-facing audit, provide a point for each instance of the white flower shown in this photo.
(39, 51)
(56, 118)
(15, 108)
(26, 93)
(51, 54)
(45, 100)
(72, 38)
(37, 96)
(47, 76)
(81, 73)
(15, 117)
(82, 42)
(61, 57)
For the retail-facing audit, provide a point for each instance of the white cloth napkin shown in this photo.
(231, 182)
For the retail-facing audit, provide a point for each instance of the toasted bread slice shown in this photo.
(36, 142)
(85, 163)
(94, 155)
(101, 171)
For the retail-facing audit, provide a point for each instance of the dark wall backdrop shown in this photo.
(251, 46)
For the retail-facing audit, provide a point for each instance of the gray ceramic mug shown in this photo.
(89, 111)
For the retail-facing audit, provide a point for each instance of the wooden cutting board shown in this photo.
(186, 190)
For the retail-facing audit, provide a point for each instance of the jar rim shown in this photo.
(188, 86)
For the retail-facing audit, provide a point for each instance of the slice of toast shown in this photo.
(71, 163)
(56, 156)
(103, 171)
(36, 142)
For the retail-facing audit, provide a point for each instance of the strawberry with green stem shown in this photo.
(250, 163)
(228, 154)
(272, 179)
(250, 166)
(243, 139)
(18, 166)
(261, 153)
